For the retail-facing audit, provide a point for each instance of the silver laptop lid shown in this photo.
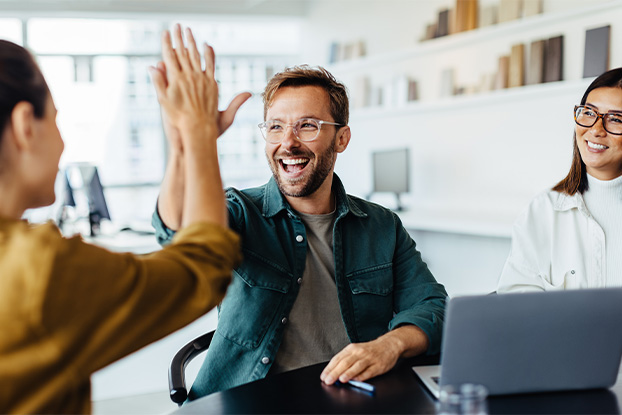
(534, 342)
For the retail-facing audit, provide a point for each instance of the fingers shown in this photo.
(161, 67)
(327, 374)
(359, 361)
(227, 116)
(195, 56)
(181, 51)
(158, 78)
(210, 59)
(168, 53)
(343, 367)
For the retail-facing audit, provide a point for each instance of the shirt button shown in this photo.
(265, 360)
(572, 272)
(284, 320)
(299, 281)
(299, 238)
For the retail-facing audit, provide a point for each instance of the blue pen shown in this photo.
(361, 385)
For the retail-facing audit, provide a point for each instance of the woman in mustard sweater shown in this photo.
(68, 308)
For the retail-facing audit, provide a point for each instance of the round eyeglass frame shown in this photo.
(598, 115)
(262, 127)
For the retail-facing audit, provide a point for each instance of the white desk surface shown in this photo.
(479, 223)
(126, 241)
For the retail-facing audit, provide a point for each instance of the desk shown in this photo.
(126, 241)
(399, 391)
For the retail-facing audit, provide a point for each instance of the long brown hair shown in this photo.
(576, 180)
(20, 80)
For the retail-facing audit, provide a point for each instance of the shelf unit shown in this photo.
(479, 152)
(468, 38)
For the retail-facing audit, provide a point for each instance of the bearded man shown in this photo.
(326, 276)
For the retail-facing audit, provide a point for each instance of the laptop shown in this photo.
(530, 342)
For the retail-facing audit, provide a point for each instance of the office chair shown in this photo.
(177, 370)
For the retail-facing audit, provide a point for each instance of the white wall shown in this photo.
(482, 155)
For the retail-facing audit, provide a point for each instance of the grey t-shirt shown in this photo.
(315, 331)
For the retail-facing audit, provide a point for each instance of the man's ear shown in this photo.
(343, 139)
(23, 124)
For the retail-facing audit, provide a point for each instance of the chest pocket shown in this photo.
(252, 301)
(372, 296)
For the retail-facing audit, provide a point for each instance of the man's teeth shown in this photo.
(596, 146)
(294, 161)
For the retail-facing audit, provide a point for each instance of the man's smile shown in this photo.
(294, 165)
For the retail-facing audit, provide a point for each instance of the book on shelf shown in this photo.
(447, 83)
(430, 31)
(532, 7)
(535, 68)
(486, 83)
(466, 15)
(375, 97)
(347, 51)
(596, 57)
(360, 49)
(361, 94)
(442, 27)
(401, 87)
(516, 74)
(509, 10)
(413, 92)
(452, 21)
(554, 59)
(503, 72)
(488, 15)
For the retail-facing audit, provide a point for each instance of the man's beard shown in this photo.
(314, 180)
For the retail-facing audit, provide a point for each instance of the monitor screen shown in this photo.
(94, 192)
(391, 171)
(67, 192)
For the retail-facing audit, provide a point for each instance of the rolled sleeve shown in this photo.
(163, 234)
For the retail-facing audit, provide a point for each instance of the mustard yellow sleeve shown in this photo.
(101, 306)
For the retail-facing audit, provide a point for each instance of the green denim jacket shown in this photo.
(381, 280)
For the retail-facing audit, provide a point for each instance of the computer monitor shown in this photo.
(98, 208)
(391, 172)
(67, 198)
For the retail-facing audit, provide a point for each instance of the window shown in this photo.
(108, 111)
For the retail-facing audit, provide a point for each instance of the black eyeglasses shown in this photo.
(305, 129)
(587, 117)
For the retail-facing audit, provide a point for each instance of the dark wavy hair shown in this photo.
(20, 80)
(576, 180)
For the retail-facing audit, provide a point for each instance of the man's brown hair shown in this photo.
(305, 75)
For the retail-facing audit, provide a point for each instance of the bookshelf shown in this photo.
(427, 48)
(477, 158)
(473, 55)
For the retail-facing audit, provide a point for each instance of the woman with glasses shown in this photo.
(571, 236)
(68, 308)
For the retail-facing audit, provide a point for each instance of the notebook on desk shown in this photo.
(531, 342)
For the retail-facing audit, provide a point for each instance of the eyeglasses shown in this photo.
(587, 117)
(305, 129)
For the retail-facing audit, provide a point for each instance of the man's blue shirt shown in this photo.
(381, 280)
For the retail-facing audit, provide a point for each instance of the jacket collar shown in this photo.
(275, 202)
(566, 202)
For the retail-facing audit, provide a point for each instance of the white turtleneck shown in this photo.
(603, 200)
